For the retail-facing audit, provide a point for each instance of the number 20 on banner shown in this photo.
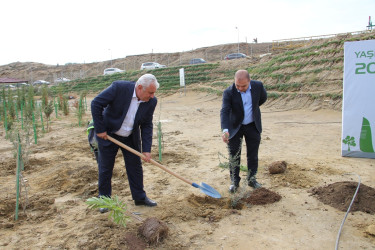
(363, 68)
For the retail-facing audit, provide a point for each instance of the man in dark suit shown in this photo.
(124, 111)
(240, 117)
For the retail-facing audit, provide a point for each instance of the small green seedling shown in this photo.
(116, 208)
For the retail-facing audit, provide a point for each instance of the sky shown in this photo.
(83, 31)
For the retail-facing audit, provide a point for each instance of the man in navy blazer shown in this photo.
(124, 111)
(240, 117)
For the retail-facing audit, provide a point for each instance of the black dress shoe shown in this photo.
(233, 188)
(103, 210)
(254, 184)
(145, 202)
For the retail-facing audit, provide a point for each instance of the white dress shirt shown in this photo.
(128, 123)
(247, 106)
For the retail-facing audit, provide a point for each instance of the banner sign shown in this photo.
(358, 111)
(182, 77)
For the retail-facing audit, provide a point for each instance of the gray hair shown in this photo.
(146, 80)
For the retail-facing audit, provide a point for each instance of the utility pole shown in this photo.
(370, 25)
(238, 40)
(110, 51)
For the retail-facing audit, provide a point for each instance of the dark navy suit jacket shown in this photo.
(232, 110)
(109, 109)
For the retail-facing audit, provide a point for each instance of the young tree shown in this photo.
(44, 96)
(48, 109)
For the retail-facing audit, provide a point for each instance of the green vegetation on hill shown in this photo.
(313, 72)
(168, 78)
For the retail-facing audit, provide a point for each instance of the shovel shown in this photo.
(207, 189)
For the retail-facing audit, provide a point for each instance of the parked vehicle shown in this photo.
(22, 84)
(197, 61)
(62, 79)
(9, 86)
(234, 56)
(152, 65)
(40, 82)
(110, 71)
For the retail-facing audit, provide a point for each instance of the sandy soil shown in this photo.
(62, 173)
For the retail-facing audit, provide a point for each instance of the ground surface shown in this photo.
(61, 174)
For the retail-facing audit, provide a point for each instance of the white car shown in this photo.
(62, 79)
(40, 82)
(22, 84)
(110, 71)
(9, 86)
(152, 65)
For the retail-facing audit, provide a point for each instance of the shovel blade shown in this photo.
(207, 189)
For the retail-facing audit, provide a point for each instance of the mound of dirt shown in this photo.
(262, 196)
(340, 194)
(153, 230)
(277, 167)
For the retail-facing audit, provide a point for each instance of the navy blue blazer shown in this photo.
(232, 110)
(109, 109)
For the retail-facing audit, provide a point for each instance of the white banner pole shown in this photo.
(182, 79)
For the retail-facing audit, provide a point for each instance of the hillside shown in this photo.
(32, 71)
(297, 74)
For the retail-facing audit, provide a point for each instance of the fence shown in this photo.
(292, 43)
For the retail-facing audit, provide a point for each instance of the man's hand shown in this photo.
(147, 156)
(225, 137)
(103, 135)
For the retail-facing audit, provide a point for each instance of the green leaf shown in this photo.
(116, 208)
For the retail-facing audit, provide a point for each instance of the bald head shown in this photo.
(242, 74)
(242, 80)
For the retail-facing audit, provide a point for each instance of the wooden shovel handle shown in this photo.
(152, 161)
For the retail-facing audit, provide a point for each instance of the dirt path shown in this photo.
(62, 174)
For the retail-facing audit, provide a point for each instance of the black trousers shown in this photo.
(252, 139)
(133, 167)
